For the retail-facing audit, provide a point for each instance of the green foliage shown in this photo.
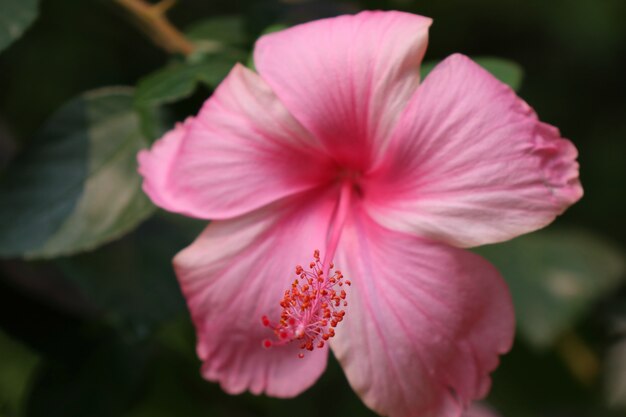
(218, 48)
(76, 186)
(126, 346)
(15, 17)
(505, 70)
(18, 364)
(179, 80)
(555, 277)
(101, 383)
(139, 290)
(215, 33)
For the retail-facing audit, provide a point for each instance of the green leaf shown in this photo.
(15, 17)
(132, 280)
(103, 382)
(179, 81)
(76, 186)
(17, 364)
(218, 41)
(427, 67)
(505, 70)
(175, 388)
(555, 276)
(216, 32)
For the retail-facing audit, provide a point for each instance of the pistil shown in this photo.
(314, 305)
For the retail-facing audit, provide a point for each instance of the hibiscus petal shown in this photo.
(471, 164)
(154, 164)
(236, 272)
(424, 325)
(242, 151)
(346, 79)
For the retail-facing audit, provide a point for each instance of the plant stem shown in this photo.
(155, 24)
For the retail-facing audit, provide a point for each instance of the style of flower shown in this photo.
(336, 146)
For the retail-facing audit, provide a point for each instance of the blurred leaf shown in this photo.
(505, 70)
(76, 186)
(15, 17)
(102, 384)
(555, 276)
(616, 375)
(274, 28)
(132, 281)
(154, 121)
(529, 382)
(175, 389)
(179, 81)
(218, 41)
(178, 335)
(17, 364)
(218, 31)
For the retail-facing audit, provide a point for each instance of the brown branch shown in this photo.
(156, 25)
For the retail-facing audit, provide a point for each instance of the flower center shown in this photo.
(311, 308)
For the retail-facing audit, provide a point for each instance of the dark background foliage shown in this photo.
(92, 322)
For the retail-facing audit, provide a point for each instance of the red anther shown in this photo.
(267, 343)
(309, 308)
(301, 355)
(348, 282)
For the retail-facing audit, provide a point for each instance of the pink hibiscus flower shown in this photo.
(335, 145)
